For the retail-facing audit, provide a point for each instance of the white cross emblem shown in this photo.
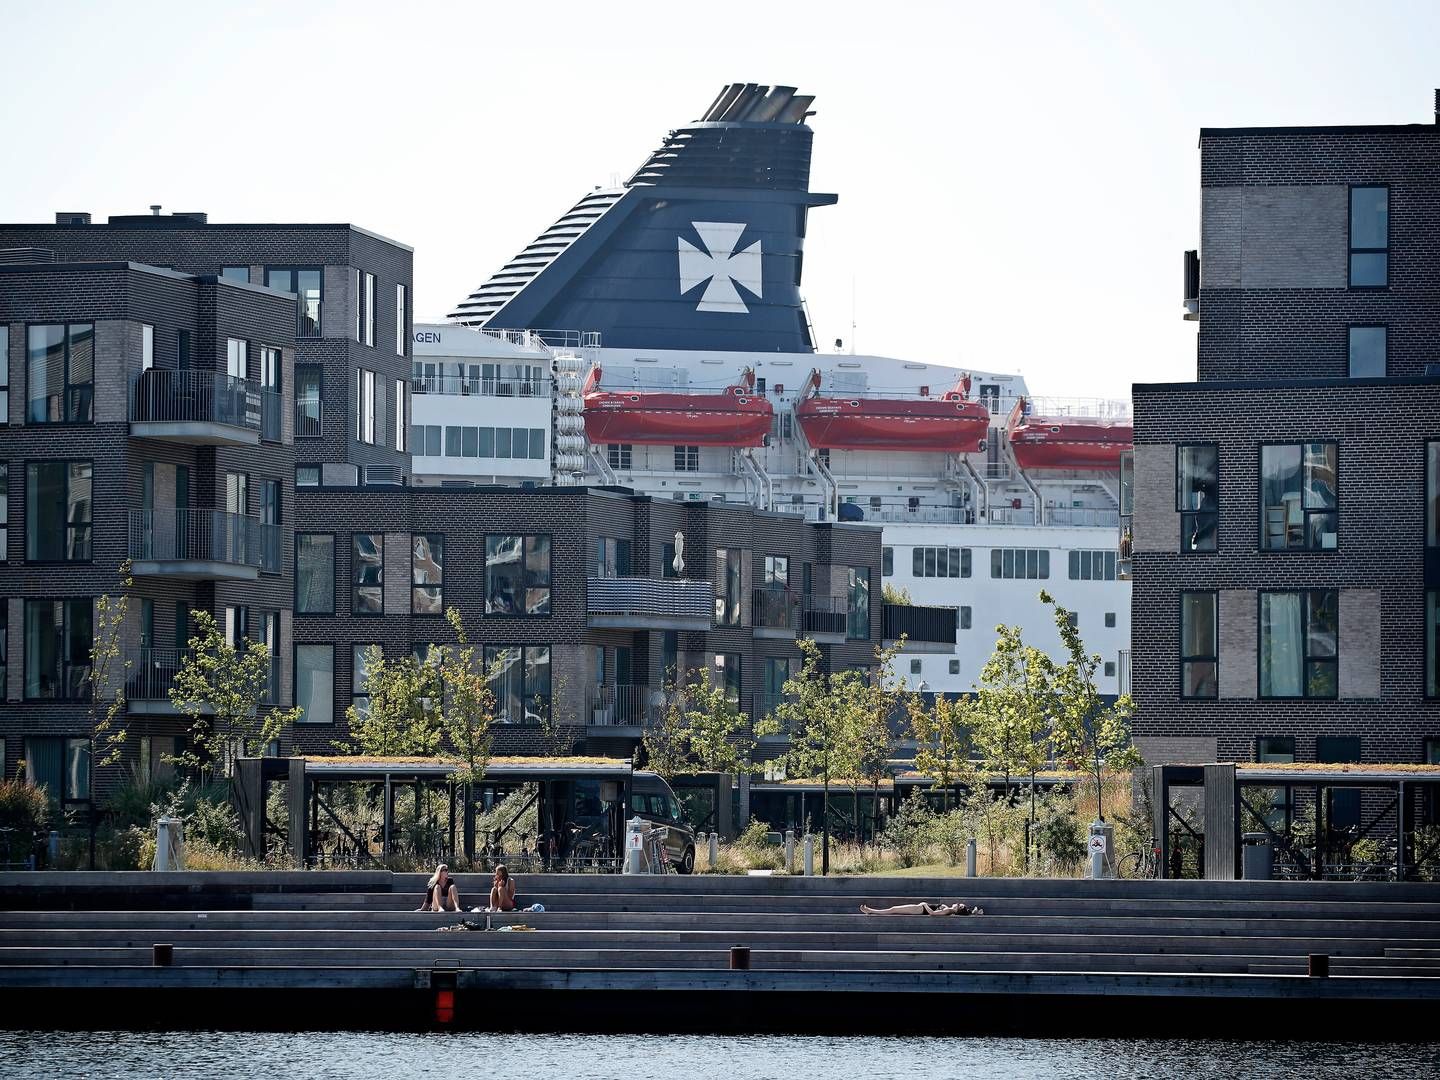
(721, 265)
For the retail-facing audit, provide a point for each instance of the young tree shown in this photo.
(807, 712)
(941, 731)
(878, 697)
(109, 669)
(222, 689)
(402, 719)
(1088, 733)
(469, 707)
(700, 730)
(894, 594)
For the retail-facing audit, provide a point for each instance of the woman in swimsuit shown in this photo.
(441, 890)
(922, 908)
(502, 890)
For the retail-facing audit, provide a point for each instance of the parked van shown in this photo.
(652, 800)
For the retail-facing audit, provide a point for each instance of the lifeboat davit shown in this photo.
(734, 416)
(948, 424)
(1067, 442)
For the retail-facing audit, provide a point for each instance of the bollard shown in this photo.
(634, 846)
(789, 851)
(52, 850)
(163, 955)
(809, 847)
(739, 958)
(970, 859)
(1319, 965)
(714, 850)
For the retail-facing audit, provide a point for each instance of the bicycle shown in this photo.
(1140, 864)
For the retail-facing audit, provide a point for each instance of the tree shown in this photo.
(807, 712)
(109, 669)
(469, 707)
(222, 689)
(402, 719)
(941, 730)
(877, 696)
(701, 729)
(1088, 732)
(893, 594)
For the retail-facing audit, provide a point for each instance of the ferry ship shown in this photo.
(688, 370)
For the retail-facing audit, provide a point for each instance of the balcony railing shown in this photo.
(196, 406)
(195, 536)
(643, 602)
(626, 706)
(824, 616)
(309, 418)
(774, 609)
(479, 386)
(151, 673)
(925, 629)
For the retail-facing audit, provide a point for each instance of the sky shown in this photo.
(1017, 181)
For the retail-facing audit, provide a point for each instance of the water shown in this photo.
(376, 1056)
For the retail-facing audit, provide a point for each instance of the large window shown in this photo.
(1092, 566)
(314, 574)
(61, 765)
(360, 677)
(400, 334)
(307, 401)
(4, 374)
(687, 459)
(315, 683)
(367, 570)
(1369, 237)
(4, 511)
(618, 455)
(58, 637)
(1197, 495)
(522, 687)
(1297, 496)
(1367, 352)
(940, 562)
(728, 674)
(364, 406)
(401, 427)
(1299, 644)
(427, 574)
(1432, 643)
(306, 282)
(858, 626)
(60, 374)
(1432, 494)
(612, 557)
(367, 310)
(1031, 563)
(727, 586)
(1199, 652)
(776, 571)
(482, 442)
(517, 575)
(57, 511)
(237, 358)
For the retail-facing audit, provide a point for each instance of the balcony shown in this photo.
(774, 613)
(642, 603)
(824, 619)
(480, 386)
(151, 672)
(925, 629)
(626, 706)
(309, 418)
(202, 545)
(202, 408)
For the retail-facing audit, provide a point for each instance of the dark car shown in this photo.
(652, 800)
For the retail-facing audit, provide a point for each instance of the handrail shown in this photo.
(189, 535)
(171, 395)
(309, 417)
(480, 386)
(150, 672)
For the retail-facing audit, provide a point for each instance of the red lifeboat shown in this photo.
(1067, 442)
(949, 424)
(734, 416)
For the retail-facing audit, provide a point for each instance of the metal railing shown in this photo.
(167, 395)
(919, 623)
(195, 535)
(774, 609)
(650, 597)
(480, 386)
(637, 706)
(1097, 408)
(151, 672)
(309, 418)
(824, 614)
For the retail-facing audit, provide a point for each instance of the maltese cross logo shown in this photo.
(721, 265)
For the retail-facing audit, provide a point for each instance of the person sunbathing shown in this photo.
(922, 908)
(502, 890)
(441, 890)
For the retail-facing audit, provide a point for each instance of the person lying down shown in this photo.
(923, 908)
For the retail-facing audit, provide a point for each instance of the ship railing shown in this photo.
(479, 386)
(545, 339)
(1094, 408)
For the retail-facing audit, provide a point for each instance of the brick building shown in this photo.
(1287, 503)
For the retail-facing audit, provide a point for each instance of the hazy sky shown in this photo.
(1017, 182)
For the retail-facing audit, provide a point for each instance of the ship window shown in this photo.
(1199, 658)
(1369, 237)
(687, 459)
(1367, 352)
(954, 667)
(1197, 495)
(940, 562)
(887, 562)
(965, 617)
(618, 455)
(1298, 496)
(1030, 563)
(1092, 566)
(1109, 619)
(1299, 643)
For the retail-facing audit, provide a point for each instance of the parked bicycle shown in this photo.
(1141, 864)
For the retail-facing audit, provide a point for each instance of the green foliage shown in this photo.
(700, 730)
(1059, 835)
(894, 594)
(1014, 705)
(910, 831)
(23, 806)
(468, 712)
(402, 720)
(108, 670)
(941, 731)
(221, 688)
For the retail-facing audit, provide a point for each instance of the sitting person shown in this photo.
(441, 891)
(922, 908)
(502, 890)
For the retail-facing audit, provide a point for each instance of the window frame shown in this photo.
(1190, 514)
(1350, 328)
(295, 647)
(620, 455)
(1305, 657)
(67, 384)
(300, 301)
(402, 307)
(489, 653)
(440, 585)
(365, 409)
(65, 666)
(525, 586)
(687, 458)
(298, 610)
(1183, 658)
(1305, 512)
(356, 586)
(1351, 250)
(69, 526)
(402, 427)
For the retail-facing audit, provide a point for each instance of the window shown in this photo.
(1367, 352)
(887, 562)
(954, 667)
(60, 374)
(236, 273)
(1031, 563)
(517, 575)
(940, 562)
(315, 683)
(777, 571)
(1369, 237)
(307, 476)
(58, 637)
(182, 349)
(237, 493)
(1275, 749)
(1299, 644)
(365, 406)
(307, 283)
(367, 567)
(522, 687)
(365, 324)
(1092, 566)
(1432, 643)
(425, 440)
(1298, 496)
(453, 441)
(727, 674)
(1343, 806)
(4, 374)
(307, 401)
(1109, 669)
(57, 511)
(914, 667)
(400, 334)
(400, 426)
(1197, 495)
(727, 587)
(270, 515)
(687, 459)
(774, 674)
(618, 455)
(427, 574)
(269, 368)
(61, 765)
(612, 557)
(314, 574)
(359, 678)
(4, 515)
(965, 617)
(667, 560)
(1199, 650)
(147, 346)
(858, 627)
(237, 359)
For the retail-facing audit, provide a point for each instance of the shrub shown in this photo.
(909, 831)
(1059, 837)
(23, 807)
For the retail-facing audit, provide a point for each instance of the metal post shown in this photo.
(789, 850)
(714, 850)
(970, 858)
(809, 848)
(389, 817)
(1400, 830)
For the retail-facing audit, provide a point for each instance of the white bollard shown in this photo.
(970, 858)
(169, 844)
(634, 846)
(809, 847)
(789, 851)
(714, 850)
